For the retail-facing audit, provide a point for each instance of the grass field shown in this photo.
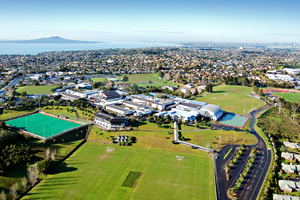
(13, 113)
(292, 97)
(138, 78)
(98, 80)
(234, 101)
(36, 89)
(42, 125)
(149, 136)
(94, 173)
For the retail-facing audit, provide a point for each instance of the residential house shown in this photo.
(289, 186)
(291, 145)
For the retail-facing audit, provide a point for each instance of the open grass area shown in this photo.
(211, 138)
(94, 173)
(98, 80)
(292, 97)
(36, 89)
(234, 101)
(13, 113)
(59, 110)
(150, 136)
(143, 80)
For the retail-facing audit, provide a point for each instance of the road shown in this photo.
(253, 181)
(13, 82)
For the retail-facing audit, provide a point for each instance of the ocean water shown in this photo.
(35, 48)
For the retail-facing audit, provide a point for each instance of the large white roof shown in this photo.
(211, 107)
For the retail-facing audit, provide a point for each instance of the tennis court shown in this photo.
(42, 125)
(234, 120)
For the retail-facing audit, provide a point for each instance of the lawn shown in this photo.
(292, 97)
(150, 136)
(234, 101)
(143, 80)
(94, 173)
(211, 138)
(59, 110)
(98, 80)
(36, 89)
(13, 113)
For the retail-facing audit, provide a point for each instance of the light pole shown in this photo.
(245, 108)
(44, 131)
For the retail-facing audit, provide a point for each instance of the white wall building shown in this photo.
(212, 110)
(280, 77)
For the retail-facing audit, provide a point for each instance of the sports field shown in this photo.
(98, 80)
(95, 173)
(42, 125)
(36, 89)
(143, 80)
(231, 119)
(292, 97)
(231, 98)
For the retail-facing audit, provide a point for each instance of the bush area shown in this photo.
(24, 160)
(277, 128)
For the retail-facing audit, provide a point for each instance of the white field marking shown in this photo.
(122, 176)
(173, 184)
(158, 182)
(142, 173)
(179, 165)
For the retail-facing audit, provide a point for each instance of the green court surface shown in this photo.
(231, 119)
(92, 172)
(42, 125)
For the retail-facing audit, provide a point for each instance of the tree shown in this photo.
(2, 195)
(43, 166)
(24, 94)
(125, 78)
(35, 83)
(24, 182)
(47, 153)
(52, 155)
(167, 77)
(280, 104)
(160, 74)
(294, 109)
(32, 174)
(14, 190)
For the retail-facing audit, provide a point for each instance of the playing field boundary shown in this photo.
(52, 138)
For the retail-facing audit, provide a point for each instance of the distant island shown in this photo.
(54, 39)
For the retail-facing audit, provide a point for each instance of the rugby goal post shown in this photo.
(213, 98)
(180, 157)
(110, 148)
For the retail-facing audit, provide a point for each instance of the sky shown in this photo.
(249, 21)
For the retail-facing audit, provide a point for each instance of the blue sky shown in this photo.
(164, 20)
